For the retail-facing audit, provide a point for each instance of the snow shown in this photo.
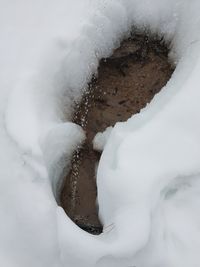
(101, 139)
(149, 173)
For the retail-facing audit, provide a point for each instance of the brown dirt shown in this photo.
(126, 82)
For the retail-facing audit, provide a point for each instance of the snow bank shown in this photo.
(149, 174)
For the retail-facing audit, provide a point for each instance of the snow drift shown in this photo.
(149, 174)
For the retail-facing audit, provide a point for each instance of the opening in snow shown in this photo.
(126, 82)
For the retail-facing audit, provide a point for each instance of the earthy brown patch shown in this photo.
(126, 82)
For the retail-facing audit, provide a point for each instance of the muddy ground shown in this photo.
(126, 82)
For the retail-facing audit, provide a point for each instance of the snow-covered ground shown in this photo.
(149, 174)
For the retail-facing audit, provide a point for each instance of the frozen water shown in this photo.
(149, 174)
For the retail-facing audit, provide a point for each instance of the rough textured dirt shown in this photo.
(126, 82)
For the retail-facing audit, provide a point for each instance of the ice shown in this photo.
(149, 174)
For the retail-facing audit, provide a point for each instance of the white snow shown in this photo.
(101, 139)
(149, 173)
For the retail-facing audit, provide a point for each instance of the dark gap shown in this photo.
(126, 82)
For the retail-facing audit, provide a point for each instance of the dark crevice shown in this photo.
(126, 82)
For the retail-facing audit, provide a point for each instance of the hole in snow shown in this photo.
(126, 82)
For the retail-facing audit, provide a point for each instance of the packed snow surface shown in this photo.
(149, 174)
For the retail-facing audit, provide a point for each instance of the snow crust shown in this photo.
(149, 174)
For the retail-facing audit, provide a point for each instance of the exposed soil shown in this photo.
(126, 82)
